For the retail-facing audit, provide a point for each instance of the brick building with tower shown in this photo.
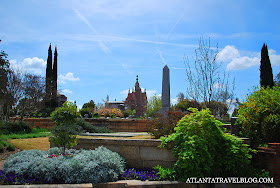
(137, 100)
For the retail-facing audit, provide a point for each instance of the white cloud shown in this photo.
(35, 65)
(274, 58)
(228, 53)
(66, 91)
(150, 93)
(174, 101)
(67, 77)
(237, 62)
(125, 92)
(218, 85)
(243, 63)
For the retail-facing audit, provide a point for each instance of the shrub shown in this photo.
(85, 111)
(87, 127)
(163, 125)
(65, 130)
(259, 116)
(15, 127)
(128, 112)
(85, 166)
(203, 150)
(6, 146)
(185, 104)
(95, 115)
(218, 109)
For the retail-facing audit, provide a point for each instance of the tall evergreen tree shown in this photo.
(49, 78)
(54, 80)
(265, 69)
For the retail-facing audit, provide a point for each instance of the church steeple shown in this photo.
(137, 86)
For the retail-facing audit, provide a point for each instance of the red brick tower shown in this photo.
(137, 100)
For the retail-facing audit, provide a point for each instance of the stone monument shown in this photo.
(165, 104)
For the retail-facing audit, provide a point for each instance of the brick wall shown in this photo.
(116, 125)
(269, 159)
(36, 122)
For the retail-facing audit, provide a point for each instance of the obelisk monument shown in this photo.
(165, 104)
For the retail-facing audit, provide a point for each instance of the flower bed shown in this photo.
(140, 174)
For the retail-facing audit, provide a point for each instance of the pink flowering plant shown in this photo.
(54, 156)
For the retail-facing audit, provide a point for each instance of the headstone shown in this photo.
(165, 104)
(234, 129)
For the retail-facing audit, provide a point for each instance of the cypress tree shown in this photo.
(54, 80)
(49, 78)
(265, 69)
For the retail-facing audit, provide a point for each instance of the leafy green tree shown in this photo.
(153, 106)
(88, 108)
(266, 78)
(65, 130)
(90, 104)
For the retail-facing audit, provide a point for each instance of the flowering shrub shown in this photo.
(140, 174)
(106, 112)
(78, 166)
(259, 116)
(53, 155)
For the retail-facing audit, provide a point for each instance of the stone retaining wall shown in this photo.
(140, 153)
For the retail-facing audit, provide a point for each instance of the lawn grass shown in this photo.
(35, 133)
(41, 143)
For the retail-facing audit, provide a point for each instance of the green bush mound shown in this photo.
(87, 127)
(203, 150)
(14, 127)
(77, 166)
(259, 116)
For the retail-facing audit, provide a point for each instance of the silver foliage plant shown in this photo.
(84, 166)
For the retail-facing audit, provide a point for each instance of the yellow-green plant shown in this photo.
(259, 116)
(203, 150)
(65, 130)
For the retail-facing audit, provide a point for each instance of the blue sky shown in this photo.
(103, 44)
